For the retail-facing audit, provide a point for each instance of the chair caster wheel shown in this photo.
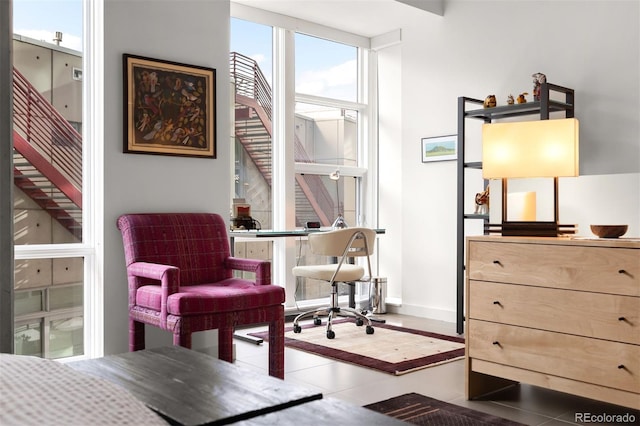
(317, 321)
(370, 329)
(297, 328)
(331, 334)
(359, 322)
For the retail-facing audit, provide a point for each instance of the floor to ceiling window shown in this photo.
(54, 243)
(330, 140)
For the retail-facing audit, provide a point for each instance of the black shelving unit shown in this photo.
(470, 108)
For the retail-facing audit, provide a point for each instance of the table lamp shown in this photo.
(531, 149)
(339, 223)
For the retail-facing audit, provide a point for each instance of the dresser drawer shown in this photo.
(604, 316)
(611, 364)
(596, 269)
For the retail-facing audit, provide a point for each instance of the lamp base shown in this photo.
(530, 229)
(339, 223)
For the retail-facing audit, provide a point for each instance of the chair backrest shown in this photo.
(197, 243)
(356, 241)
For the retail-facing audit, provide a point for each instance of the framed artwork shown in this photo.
(169, 108)
(440, 148)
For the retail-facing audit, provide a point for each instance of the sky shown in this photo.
(323, 68)
(40, 19)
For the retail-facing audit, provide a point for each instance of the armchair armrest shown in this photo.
(169, 277)
(262, 268)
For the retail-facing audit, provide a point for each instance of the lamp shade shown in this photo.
(545, 148)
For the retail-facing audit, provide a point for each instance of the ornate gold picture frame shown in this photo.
(169, 108)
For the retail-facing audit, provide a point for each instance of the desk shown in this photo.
(191, 388)
(267, 233)
(301, 232)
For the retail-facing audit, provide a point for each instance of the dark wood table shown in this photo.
(191, 388)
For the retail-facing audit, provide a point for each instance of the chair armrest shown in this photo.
(169, 277)
(262, 268)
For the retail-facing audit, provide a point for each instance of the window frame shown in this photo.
(91, 249)
(284, 167)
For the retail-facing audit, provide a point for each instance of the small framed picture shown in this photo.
(169, 108)
(440, 148)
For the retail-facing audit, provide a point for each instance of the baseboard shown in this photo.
(423, 312)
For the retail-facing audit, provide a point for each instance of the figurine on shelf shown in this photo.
(510, 100)
(538, 79)
(482, 202)
(521, 98)
(490, 101)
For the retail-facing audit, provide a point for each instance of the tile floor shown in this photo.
(522, 403)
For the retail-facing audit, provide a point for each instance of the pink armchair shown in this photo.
(180, 274)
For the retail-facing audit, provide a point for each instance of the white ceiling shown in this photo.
(362, 17)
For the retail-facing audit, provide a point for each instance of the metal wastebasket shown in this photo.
(378, 295)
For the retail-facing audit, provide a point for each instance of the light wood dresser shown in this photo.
(561, 313)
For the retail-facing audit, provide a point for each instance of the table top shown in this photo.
(268, 233)
(191, 388)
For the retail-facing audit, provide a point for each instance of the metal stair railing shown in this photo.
(250, 83)
(52, 146)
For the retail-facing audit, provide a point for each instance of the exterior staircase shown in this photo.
(253, 117)
(47, 158)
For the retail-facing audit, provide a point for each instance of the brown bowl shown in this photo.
(609, 231)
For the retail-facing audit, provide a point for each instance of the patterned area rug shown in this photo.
(421, 410)
(390, 349)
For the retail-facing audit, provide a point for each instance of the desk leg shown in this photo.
(352, 296)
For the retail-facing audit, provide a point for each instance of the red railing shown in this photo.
(50, 134)
(250, 82)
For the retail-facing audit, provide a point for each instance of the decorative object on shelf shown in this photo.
(339, 223)
(521, 98)
(490, 101)
(440, 148)
(530, 149)
(609, 231)
(510, 100)
(482, 202)
(538, 79)
(169, 108)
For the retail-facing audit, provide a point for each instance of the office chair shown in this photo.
(181, 279)
(343, 244)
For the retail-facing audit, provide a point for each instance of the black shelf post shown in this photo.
(544, 107)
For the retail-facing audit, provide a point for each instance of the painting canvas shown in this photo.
(440, 148)
(169, 108)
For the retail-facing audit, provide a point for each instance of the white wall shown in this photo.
(492, 47)
(477, 48)
(188, 31)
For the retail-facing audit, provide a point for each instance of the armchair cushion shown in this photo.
(233, 294)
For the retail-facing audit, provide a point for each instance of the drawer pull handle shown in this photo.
(497, 343)
(497, 302)
(625, 272)
(622, 319)
(497, 262)
(622, 367)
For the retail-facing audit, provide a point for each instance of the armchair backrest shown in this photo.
(196, 243)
